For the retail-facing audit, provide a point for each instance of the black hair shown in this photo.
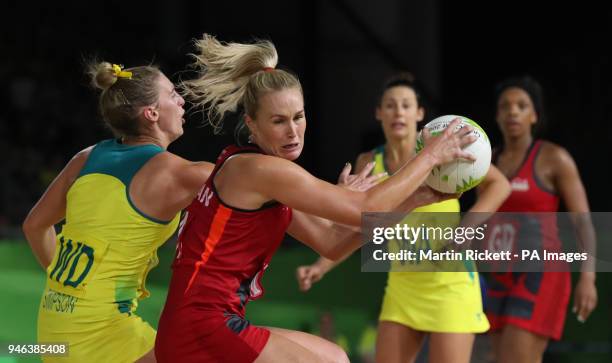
(404, 79)
(533, 89)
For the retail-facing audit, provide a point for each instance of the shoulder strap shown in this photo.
(379, 159)
(121, 161)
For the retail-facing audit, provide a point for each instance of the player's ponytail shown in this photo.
(233, 75)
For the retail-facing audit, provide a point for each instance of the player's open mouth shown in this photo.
(291, 147)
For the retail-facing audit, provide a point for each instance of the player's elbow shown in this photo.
(28, 225)
(31, 225)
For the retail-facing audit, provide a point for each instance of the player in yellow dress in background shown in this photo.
(121, 200)
(445, 305)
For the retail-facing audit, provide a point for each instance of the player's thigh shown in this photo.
(324, 349)
(517, 345)
(450, 347)
(397, 343)
(495, 341)
(281, 349)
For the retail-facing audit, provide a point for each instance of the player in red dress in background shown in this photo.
(254, 195)
(527, 309)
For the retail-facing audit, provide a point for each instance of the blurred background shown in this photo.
(342, 51)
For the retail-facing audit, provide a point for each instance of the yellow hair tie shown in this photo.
(120, 73)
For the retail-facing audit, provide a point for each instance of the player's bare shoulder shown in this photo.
(81, 156)
(168, 159)
(554, 154)
(168, 166)
(254, 163)
(74, 166)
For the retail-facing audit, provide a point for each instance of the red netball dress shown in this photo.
(221, 255)
(534, 301)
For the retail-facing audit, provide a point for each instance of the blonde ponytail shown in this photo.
(230, 75)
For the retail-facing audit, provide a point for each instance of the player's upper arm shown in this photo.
(494, 177)
(194, 174)
(322, 235)
(567, 180)
(183, 180)
(286, 182)
(51, 207)
(310, 230)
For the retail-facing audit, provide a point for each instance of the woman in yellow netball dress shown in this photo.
(445, 305)
(121, 200)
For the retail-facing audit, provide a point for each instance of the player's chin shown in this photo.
(399, 133)
(291, 154)
(290, 151)
(177, 134)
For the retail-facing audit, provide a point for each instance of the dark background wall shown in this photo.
(342, 51)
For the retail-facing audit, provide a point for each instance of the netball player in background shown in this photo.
(528, 309)
(121, 200)
(445, 305)
(255, 194)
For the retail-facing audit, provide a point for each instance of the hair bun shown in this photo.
(102, 75)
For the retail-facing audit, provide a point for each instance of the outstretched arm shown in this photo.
(328, 237)
(335, 243)
(308, 274)
(263, 178)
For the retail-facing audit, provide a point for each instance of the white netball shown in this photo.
(460, 175)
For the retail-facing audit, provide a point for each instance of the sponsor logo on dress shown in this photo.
(520, 184)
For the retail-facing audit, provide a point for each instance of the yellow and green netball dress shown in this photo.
(432, 301)
(102, 257)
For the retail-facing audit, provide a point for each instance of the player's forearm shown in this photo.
(588, 275)
(348, 239)
(586, 242)
(42, 242)
(407, 206)
(389, 194)
(326, 265)
(491, 195)
(345, 242)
